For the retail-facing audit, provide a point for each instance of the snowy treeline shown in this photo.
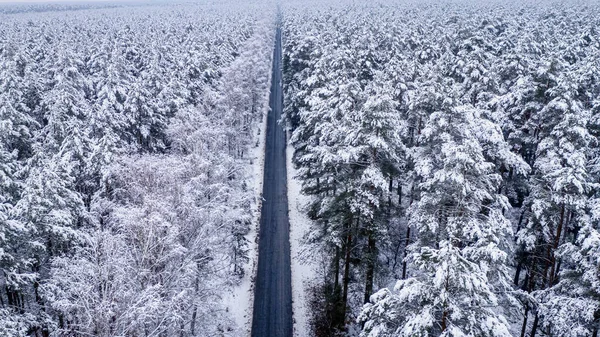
(123, 167)
(16, 7)
(451, 152)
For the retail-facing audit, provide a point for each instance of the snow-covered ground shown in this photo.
(239, 301)
(303, 270)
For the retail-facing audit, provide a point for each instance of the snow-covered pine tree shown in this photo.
(15, 235)
(460, 267)
(559, 185)
(375, 146)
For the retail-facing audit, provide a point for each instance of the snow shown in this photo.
(303, 272)
(239, 302)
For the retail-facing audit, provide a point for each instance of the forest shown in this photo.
(123, 166)
(451, 155)
(447, 154)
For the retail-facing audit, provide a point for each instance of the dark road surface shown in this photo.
(273, 291)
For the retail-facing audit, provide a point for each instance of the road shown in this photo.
(273, 290)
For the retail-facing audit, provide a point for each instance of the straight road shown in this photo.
(273, 290)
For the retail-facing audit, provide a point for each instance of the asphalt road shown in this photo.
(273, 290)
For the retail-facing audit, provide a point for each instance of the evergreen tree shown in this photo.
(459, 253)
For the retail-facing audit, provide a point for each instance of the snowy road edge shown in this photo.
(302, 273)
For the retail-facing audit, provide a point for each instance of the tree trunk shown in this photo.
(13, 297)
(566, 231)
(390, 188)
(196, 292)
(535, 325)
(596, 323)
(399, 194)
(407, 241)
(520, 221)
(555, 246)
(396, 252)
(8, 296)
(405, 253)
(524, 327)
(346, 279)
(444, 316)
(193, 322)
(518, 273)
(336, 266)
(547, 264)
(445, 313)
(530, 283)
(38, 298)
(556, 272)
(371, 260)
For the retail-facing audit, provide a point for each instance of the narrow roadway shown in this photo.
(273, 291)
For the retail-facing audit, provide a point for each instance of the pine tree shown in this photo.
(459, 254)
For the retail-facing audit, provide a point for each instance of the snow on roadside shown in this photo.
(239, 302)
(303, 270)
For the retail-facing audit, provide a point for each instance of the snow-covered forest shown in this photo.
(124, 137)
(447, 154)
(451, 155)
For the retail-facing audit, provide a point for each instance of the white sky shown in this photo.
(56, 1)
